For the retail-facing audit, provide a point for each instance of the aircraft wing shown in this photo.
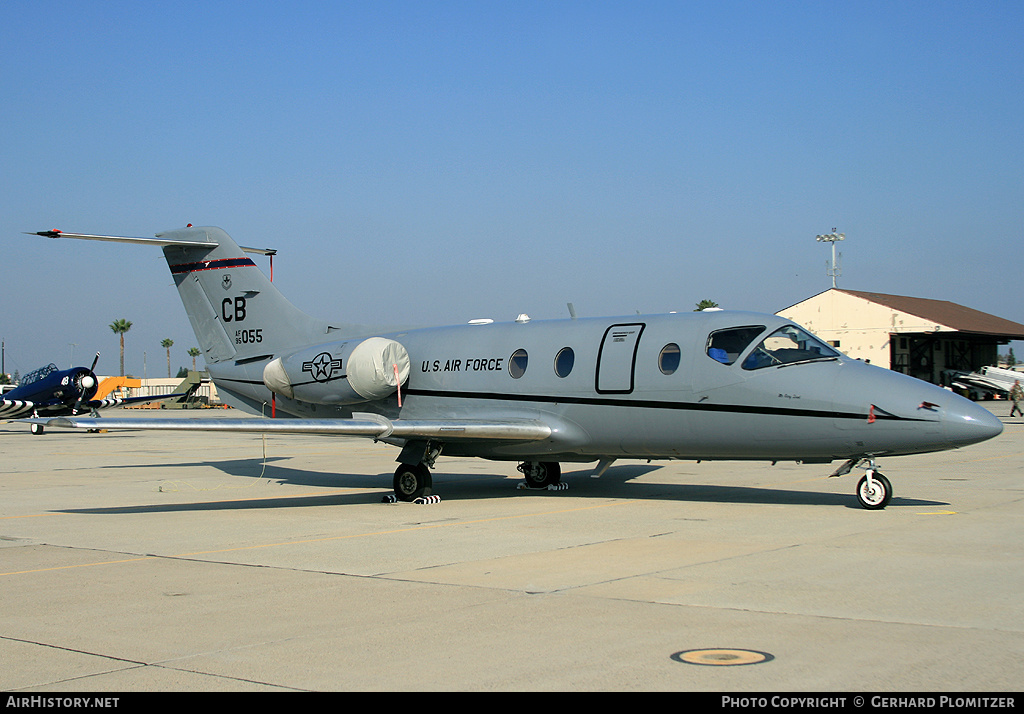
(108, 402)
(367, 425)
(10, 408)
(978, 381)
(14, 408)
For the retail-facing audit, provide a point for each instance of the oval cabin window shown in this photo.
(564, 361)
(668, 359)
(517, 363)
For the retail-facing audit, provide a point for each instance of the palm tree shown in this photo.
(120, 327)
(166, 344)
(193, 353)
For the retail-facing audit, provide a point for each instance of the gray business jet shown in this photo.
(704, 385)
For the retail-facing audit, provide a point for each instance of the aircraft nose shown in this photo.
(968, 423)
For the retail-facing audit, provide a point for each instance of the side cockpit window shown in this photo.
(725, 346)
(788, 345)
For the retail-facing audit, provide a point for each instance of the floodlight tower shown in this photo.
(833, 267)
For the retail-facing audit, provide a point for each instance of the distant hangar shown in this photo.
(916, 336)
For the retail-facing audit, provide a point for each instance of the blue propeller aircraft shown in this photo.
(695, 386)
(51, 392)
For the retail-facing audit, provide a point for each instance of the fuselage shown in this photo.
(708, 385)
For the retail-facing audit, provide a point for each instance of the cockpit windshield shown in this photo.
(36, 375)
(788, 345)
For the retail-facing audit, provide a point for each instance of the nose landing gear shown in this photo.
(873, 490)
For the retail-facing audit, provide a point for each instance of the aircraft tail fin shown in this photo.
(235, 311)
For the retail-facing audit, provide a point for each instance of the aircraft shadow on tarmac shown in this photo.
(616, 482)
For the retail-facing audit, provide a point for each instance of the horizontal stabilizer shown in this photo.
(373, 427)
(144, 241)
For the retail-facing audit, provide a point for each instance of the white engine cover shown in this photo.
(349, 372)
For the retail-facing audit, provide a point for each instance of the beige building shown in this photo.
(202, 390)
(920, 337)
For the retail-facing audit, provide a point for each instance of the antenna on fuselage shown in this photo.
(572, 310)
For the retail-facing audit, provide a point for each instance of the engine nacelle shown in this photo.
(349, 372)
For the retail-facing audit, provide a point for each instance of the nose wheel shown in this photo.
(874, 490)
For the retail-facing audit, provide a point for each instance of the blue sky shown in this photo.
(434, 162)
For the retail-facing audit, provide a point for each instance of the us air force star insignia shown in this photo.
(226, 281)
(322, 367)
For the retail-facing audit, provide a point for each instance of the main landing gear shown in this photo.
(541, 474)
(873, 490)
(412, 482)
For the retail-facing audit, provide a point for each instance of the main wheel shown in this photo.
(541, 474)
(412, 482)
(36, 429)
(876, 496)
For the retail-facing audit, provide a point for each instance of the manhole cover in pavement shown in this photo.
(720, 658)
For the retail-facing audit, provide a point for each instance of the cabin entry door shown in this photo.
(616, 360)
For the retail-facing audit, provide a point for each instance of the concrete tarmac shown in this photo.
(148, 561)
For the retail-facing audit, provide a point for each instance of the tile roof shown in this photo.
(943, 312)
